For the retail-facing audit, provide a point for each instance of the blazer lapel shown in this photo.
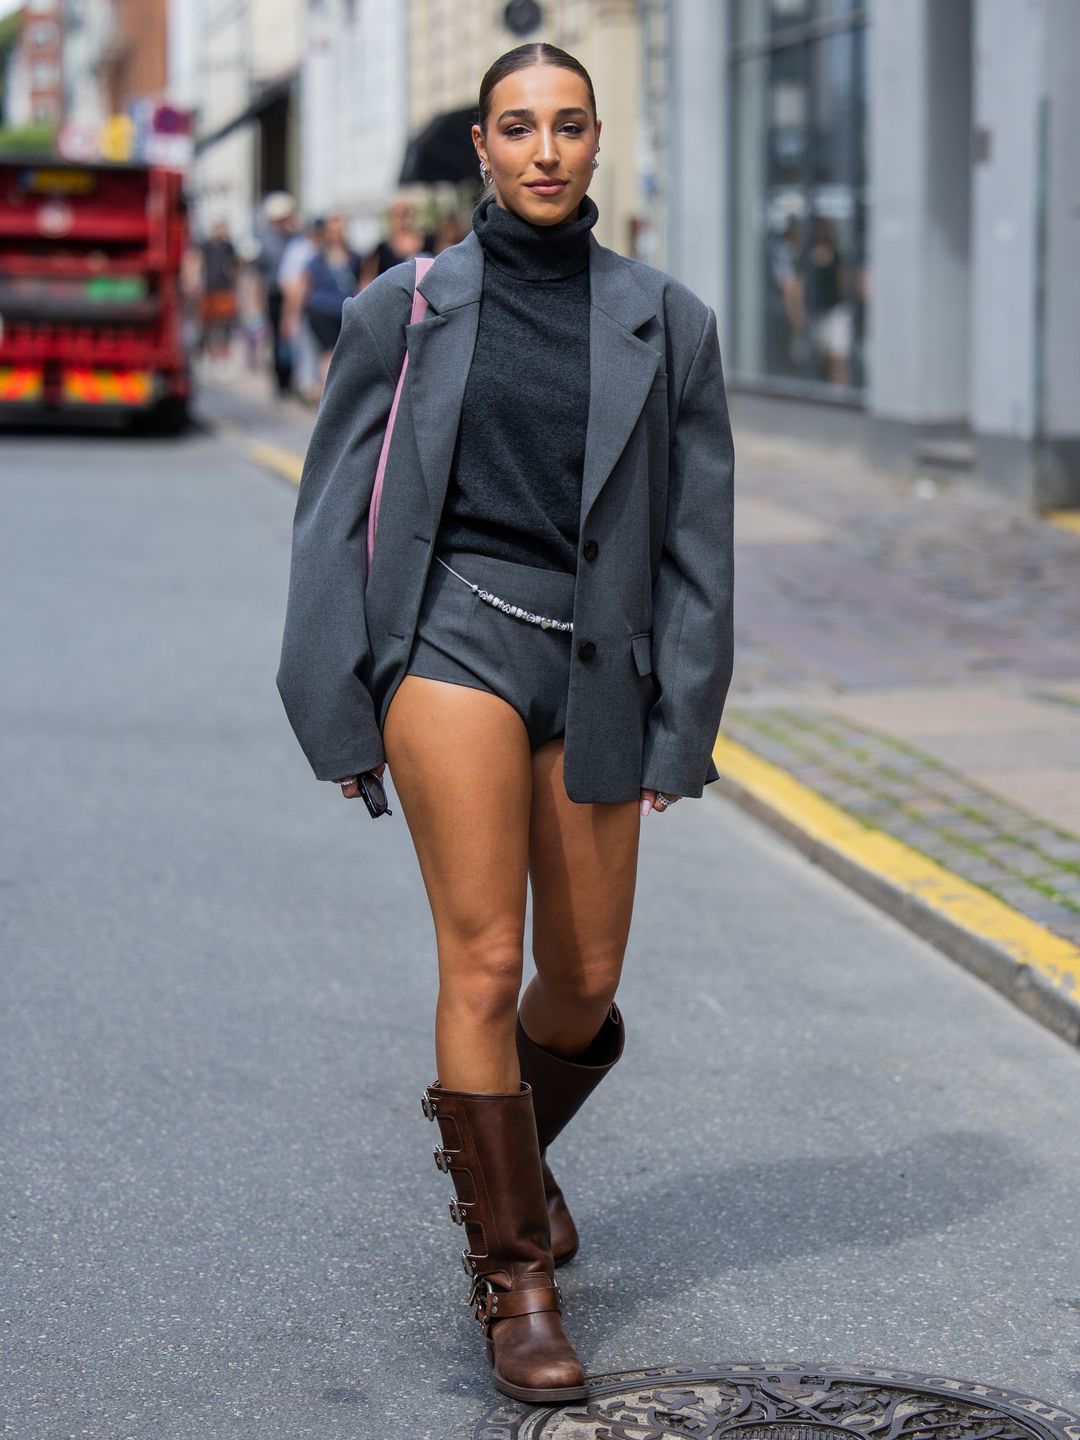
(440, 351)
(621, 367)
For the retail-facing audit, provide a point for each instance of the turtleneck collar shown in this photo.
(534, 252)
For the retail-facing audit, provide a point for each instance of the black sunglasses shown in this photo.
(371, 788)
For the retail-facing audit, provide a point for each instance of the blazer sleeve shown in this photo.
(693, 639)
(325, 643)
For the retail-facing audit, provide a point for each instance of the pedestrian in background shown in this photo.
(217, 311)
(307, 374)
(538, 642)
(279, 225)
(449, 231)
(830, 312)
(402, 241)
(251, 318)
(329, 278)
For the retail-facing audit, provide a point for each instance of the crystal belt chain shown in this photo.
(518, 611)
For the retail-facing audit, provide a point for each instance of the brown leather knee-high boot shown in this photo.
(560, 1088)
(490, 1151)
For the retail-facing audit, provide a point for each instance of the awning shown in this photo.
(268, 95)
(443, 150)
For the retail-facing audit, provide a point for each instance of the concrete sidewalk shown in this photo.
(906, 699)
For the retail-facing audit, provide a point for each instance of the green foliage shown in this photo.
(10, 27)
(39, 139)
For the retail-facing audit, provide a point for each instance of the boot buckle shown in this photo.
(484, 1299)
(467, 1264)
(457, 1210)
(443, 1160)
(478, 1284)
(428, 1105)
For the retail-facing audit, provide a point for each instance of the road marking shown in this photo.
(1064, 520)
(915, 875)
(277, 458)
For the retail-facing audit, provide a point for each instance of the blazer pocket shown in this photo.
(641, 645)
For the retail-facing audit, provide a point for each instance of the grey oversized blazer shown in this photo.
(653, 592)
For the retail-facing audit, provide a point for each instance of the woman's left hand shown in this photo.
(658, 800)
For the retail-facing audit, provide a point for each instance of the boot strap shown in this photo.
(501, 1304)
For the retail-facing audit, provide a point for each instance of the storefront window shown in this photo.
(799, 192)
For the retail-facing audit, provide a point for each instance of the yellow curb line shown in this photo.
(958, 901)
(275, 457)
(1064, 520)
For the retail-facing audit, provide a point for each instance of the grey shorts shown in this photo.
(462, 639)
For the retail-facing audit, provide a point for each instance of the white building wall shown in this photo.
(1060, 399)
(275, 30)
(84, 46)
(353, 111)
(920, 93)
(224, 171)
(240, 47)
(698, 152)
(1009, 49)
(185, 30)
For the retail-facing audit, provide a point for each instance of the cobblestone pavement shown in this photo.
(1029, 864)
(910, 652)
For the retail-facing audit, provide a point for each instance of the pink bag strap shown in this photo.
(419, 310)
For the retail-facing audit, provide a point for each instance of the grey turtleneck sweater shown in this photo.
(515, 480)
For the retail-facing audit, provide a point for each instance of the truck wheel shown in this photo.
(170, 416)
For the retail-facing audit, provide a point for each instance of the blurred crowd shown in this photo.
(278, 303)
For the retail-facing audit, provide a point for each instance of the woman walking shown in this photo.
(539, 645)
(329, 278)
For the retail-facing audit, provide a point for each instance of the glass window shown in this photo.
(799, 272)
(44, 74)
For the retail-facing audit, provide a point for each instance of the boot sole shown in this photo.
(541, 1397)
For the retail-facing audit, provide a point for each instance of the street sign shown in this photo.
(117, 139)
(77, 142)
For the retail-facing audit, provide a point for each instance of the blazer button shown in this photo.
(591, 550)
(587, 649)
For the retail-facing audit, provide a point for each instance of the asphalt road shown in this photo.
(220, 1212)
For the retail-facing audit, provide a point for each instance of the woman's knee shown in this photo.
(582, 984)
(482, 978)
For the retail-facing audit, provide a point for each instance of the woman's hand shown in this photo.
(349, 787)
(658, 800)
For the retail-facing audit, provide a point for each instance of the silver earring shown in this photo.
(485, 174)
(595, 163)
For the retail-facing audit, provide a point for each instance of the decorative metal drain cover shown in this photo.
(783, 1402)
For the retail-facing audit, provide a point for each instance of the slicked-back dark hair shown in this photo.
(536, 52)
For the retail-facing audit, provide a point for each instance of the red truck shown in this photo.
(91, 311)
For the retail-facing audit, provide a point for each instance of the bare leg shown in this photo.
(461, 766)
(583, 865)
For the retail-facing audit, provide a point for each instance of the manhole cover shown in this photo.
(783, 1402)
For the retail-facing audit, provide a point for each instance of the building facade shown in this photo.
(353, 121)
(246, 68)
(879, 197)
(41, 42)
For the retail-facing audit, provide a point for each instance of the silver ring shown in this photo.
(661, 798)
